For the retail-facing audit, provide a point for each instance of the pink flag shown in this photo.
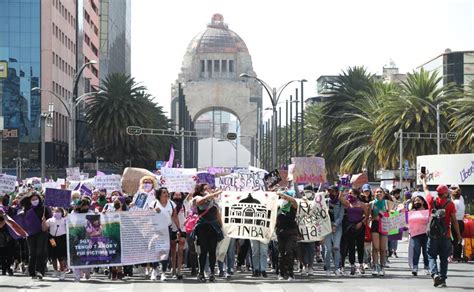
(99, 173)
(170, 160)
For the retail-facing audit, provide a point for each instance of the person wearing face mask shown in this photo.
(287, 234)
(332, 241)
(57, 242)
(38, 239)
(145, 194)
(357, 214)
(379, 241)
(82, 208)
(393, 242)
(418, 242)
(178, 235)
(440, 246)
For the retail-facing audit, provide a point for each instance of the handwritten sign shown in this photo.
(313, 218)
(206, 178)
(241, 181)
(308, 170)
(391, 223)
(73, 173)
(179, 179)
(57, 198)
(7, 183)
(109, 182)
(418, 222)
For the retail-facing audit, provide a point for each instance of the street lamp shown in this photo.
(438, 133)
(72, 128)
(303, 152)
(274, 96)
(70, 110)
(236, 150)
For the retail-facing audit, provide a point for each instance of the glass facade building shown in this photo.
(454, 67)
(20, 53)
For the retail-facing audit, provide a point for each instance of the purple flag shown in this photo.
(170, 160)
(29, 221)
(99, 173)
(85, 190)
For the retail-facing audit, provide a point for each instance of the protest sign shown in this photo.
(249, 215)
(7, 183)
(241, 181)
(308, 170)
(131, 179)
(418, 222)
(116, 239)
(109, 182)
(206, 178)
(29, 221)
(179, 179)
(391, 223)
(57, 198)
(272, 178)
(73, 173)
(142, 200)
(313, 218)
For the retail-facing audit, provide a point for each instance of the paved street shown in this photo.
(398, 277)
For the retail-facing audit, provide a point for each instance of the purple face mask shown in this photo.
(58, 215)
(352, 199)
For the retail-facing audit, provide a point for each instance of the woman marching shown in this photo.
(379, 241)
(57, 241)
(178, 235)
(208, 229)
(419, 241)
(167, 210)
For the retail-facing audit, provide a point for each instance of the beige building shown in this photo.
(217, 100)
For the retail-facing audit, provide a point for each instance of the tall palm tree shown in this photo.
(411, 111)
(461, 120)
(123, 103)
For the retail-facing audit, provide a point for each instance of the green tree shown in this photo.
(461, 120)
(125, 103)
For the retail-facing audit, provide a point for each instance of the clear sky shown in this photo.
(300, 38)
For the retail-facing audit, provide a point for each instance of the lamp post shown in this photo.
(72, 128)
(303, 152)
(69, 110)
(46, 121)
(274, 96)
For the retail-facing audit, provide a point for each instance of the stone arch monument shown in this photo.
(210, 82)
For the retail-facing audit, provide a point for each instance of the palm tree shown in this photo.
(461, 120)
(412, 111)
(124, 103)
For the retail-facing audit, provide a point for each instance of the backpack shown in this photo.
(437, 226)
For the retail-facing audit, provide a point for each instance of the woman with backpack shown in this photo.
(443, 214)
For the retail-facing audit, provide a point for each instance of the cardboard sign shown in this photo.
(7, 183)
(57, 198)
(313, 218)
(308, 170)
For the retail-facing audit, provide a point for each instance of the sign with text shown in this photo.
(57, 198)
(308, 170)
(272, 178)
(241, 182)
(73, 173)
(206, 178)
(313, 218)
(447, 169)
(391, 223)
(179, 179)
(7, 183)
(109, 182)
(418, 222)
(249, 215)
(116, 239)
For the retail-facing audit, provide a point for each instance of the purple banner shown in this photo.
(57, 198)
(28, 221)
(206, 178)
